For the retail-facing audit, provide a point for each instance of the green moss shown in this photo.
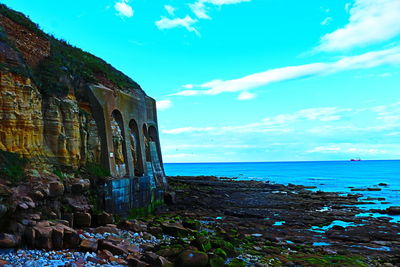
(96, 170)
(236, 263)
(12, 166)
(329, 260)
(220, 252)
(216, 261)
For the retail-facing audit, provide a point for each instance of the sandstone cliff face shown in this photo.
(50, 128)
(21, 119)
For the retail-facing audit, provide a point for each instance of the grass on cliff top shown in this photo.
(12, 166)
(67, 66)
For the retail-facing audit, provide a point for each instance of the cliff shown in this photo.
(45, 89)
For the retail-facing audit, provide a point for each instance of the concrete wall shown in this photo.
(136, 109)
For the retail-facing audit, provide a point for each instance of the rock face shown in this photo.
(61, 105)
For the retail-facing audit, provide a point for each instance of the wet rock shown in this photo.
(394, 210)
(115, 249)
(169, 252)
(3, 210)
(163, 262)
(82, 219)
(191, 224)
(202, 243)
(8, 240)
(89, 245)
(174, 229)
(135, 262)
(191, 258)
(104, 254)
(134, 226)
(56, 189)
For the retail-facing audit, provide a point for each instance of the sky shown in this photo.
(250, 80)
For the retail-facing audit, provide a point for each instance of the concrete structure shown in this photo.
(130, 148)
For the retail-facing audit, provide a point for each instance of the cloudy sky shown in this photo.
(251, 80)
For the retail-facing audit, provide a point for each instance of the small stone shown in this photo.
(56, 189)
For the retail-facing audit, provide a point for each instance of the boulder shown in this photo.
(191, 258)
(174, 229)
(104, 218)
(57, 237)
(56, 189)
(89, 245)
(71, 238)
(82, 219)
(133, 225)
(135, 262)
(114, 249)
(8, 240)
(43, 236)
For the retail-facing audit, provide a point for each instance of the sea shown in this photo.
(330, 176)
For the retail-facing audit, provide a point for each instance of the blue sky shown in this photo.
(250, 80)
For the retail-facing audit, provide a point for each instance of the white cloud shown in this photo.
(278, 124)
(370, 22)
(200, 8)
(186, 22)
(357, 149)
(326, 21)
(124, 9)
(170, 9)
(164, 104)
(246, 96)
(363, 61)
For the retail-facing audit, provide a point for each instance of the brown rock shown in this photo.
(71, 238)
(43, 237)
(58, 237)
(69, 217)
(134, 226)
(135, 262)
(82, 219)
(88, 245)
(114, 249)
(104, 254)
(163, 262)
(56, 189)
(104, 218)
(8, 240)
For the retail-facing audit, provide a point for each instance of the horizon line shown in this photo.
(290, 161)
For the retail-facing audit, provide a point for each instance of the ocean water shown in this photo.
(332, 176)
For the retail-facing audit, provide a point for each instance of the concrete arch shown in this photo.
(146, 142)
(153, 136)
(136, 148)
(118, 142)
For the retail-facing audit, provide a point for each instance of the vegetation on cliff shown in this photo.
(67, 67)
(12, 166)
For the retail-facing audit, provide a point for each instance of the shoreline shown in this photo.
(217, 222)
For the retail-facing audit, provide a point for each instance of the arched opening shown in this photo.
(153, 137)
(146, 143)
(135, 148)
(118, 138)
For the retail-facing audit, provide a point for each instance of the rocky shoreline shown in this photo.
(211, 221)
